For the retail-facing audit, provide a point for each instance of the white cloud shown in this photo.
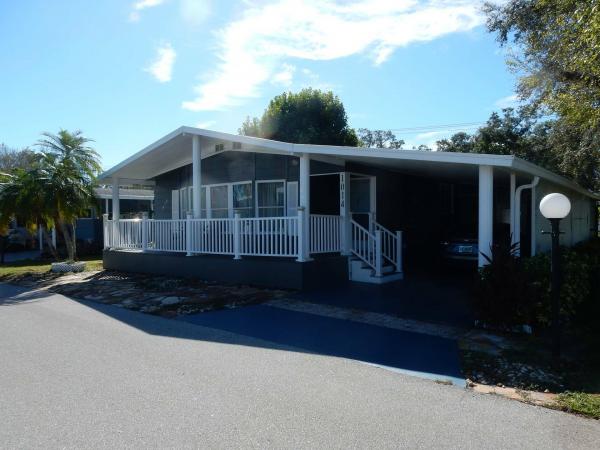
(507, 102)
(285, 76)
(162, 67)
(206, 125)
(430, 135)
(140, 5)
(252, 48)
(195, 12)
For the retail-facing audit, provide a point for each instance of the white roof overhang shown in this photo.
(175, 150)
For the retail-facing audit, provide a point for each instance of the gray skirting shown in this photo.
(286, 273)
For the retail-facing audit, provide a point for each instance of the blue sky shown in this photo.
(128, 72)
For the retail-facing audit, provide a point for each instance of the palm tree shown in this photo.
(68, 170)
(56, 189)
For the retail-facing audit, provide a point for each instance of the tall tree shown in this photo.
(310, 116)
(553, 144)
(558, 54)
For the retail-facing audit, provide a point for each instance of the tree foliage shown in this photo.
(56, 189)
(553, 144)
(558, 54)
(310, 116)
(11, 159)
(378, 139)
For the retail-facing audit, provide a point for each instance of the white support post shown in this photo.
(373, 198)
(513, 186)
(378, 257)
(196, 176)
(188, 234)
(144, 232)
(346, 231)
(305, 203)
(105, 231)
(116, 211)
(237, 248)
(105, 206)
(486, 213)
(534, 211)
(371, 225)
(399, 251)
(301, 235)
(41, 238)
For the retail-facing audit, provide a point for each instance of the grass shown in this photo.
(34, 266)
(580, 403)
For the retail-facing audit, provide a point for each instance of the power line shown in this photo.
(444, 127)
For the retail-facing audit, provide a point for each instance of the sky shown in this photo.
(128, 72)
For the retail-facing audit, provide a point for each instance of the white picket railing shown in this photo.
(211, 236)
(268, 236)
(260, 236)
(166, 235)
(128, 234)
(325, 233)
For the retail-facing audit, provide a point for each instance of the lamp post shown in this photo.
(555, 207)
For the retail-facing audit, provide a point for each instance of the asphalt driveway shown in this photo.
(85, 375)
(412, 353)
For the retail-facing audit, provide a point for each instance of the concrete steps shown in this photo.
(360, 272)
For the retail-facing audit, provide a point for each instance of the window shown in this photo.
(237, 145)
(203, 202)
(270, 198)
(219, 201)
(219, 147)
(184, 202)
(292, 198)
(242, 199)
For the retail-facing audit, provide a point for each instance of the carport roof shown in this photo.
(174, 150)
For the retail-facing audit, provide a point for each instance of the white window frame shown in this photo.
(209, 202)
(231, 207)
(208, 212)
(284, 206)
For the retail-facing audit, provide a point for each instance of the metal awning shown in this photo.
(175, 150)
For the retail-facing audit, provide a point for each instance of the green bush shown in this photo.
(504, 295)
(514, 291)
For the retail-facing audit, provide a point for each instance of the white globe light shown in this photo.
(555, 206)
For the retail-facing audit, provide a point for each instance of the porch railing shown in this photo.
(260, 236)
(325, 233)
(257, 236)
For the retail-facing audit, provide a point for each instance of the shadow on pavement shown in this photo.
(271, 327)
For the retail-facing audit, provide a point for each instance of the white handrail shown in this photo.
(364, 244)
(391, 245)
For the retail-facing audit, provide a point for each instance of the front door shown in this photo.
(361, 195)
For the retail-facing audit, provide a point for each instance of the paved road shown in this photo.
(87, 375)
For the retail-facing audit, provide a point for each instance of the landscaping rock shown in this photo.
(170, 301)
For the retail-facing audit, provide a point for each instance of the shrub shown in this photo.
(579, 294)
(504, 296)
(513, 291)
